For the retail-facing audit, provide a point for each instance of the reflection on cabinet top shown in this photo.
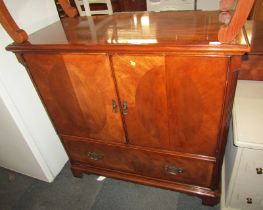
(193, 31)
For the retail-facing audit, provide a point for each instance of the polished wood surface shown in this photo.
(17, 34)
(141, 83)
(229, 32)
(139, 161)
(195, 110)
(68, 86)
(172, 84)
(252, 64)
(164, 31)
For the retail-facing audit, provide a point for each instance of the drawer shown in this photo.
(142, 162)
(250, 172)
(247, 201)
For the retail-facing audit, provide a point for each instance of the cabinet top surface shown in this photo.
(164, 31)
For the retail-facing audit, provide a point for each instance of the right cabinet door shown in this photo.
(196, 88)
(142, 90)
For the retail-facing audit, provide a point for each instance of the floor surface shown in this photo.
(19, 192)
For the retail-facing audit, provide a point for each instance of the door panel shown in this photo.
(141, 83)
(78, 91)
(196, 90)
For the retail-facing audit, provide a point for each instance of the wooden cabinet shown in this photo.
(68, 86)
(142, 88)
(147, 98)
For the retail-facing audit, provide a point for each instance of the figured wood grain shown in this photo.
(78, 99)
(6, 20)
(195, 90)
(141, 83)
(127, 159)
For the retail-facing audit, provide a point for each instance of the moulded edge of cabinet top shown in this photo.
(188, 31)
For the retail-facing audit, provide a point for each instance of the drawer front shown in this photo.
(250, 173)
(146, 163)
(247, 201)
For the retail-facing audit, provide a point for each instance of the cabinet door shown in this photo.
(196, 90)
(78, 92)
(141, 85)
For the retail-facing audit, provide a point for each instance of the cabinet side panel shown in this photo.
(196, 91)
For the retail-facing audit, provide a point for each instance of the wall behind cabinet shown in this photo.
(28, 142)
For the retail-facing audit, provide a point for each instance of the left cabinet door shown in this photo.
(79, 94)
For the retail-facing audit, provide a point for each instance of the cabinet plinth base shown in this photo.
(77, 172)
(210, 201)
(208, 196)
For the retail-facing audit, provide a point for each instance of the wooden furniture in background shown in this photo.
(252, 64)
(85, 7)
(117, 6)
(257, 11)
(148, 99)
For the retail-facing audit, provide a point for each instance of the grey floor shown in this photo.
(19, 192)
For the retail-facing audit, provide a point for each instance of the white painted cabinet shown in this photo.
(243, 167)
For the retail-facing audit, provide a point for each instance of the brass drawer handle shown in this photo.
(124, 108)
(114, 106)
(95, 156)
(259, 170)
(174, 170)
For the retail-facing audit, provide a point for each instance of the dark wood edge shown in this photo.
(228, 33)
(6, 20)
(201, 192)
(233, 71)
(68, 9)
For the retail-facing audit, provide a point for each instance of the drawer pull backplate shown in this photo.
(95, 156)
(171, 169)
